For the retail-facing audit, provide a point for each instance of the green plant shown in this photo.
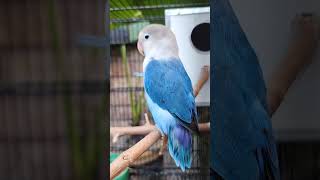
(136, 100)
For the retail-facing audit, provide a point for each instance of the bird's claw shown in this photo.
(164, 145)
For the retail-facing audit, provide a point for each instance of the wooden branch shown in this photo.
(129, 156)
(116, 132)
(204, 76)
(299, 55)
(133, 153)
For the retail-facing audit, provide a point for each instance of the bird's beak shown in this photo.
(140, 49)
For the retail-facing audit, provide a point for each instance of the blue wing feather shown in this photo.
(243, 146)
(169, 86)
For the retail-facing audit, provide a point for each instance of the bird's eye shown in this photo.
(146, 36)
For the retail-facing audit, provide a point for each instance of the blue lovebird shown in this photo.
(168, 91)
(242, 141)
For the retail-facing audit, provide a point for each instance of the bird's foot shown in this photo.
(164, 145)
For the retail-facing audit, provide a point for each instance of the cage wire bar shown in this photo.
(127, 18)
(52, 90)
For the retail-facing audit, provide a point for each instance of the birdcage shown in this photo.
(127, 104)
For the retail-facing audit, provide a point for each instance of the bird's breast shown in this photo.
(146, 61)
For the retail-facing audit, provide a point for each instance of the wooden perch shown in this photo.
(299, 55)
(133, 153)
(129, 156)
(204, 76)
(116, 132)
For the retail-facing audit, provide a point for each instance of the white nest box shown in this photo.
(192, 29)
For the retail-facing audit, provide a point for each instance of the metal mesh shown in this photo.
(127, 19)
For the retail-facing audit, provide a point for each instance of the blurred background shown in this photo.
(52, 89)
(127, 104)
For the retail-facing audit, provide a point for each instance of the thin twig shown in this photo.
(116, 132)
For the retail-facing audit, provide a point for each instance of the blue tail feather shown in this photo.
(180, 146)
(261, 162)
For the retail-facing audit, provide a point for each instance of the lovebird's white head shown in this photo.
(157, 41)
